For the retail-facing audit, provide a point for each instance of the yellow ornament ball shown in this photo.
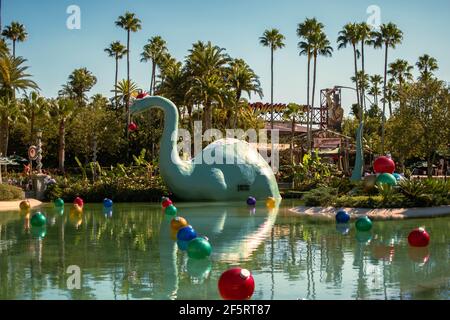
(178, 222)
(271, 203)
(25, 205)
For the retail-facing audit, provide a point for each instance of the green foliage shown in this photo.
(359, 202)
(10, 193)
(321, 196)
(430, 192)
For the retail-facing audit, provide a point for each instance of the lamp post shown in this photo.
(39, 151)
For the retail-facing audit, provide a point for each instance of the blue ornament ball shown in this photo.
(251, 201)
(342, 216)
(107, 203)
(186, 234)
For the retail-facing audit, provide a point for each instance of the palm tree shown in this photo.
(13, 77)
(124, 90)
(362, 80)
(292, 112)
(274, 40)
(154, 51)
(400, 71)
(241, 78)
(375, 91)
(365, 37)
(130, 23)
(206, 72)
(34, 106)
(16, 33)
(305, 32)
(116, 50)
(62, 109)
(426, 65)
(389, 36)
(3, 47)
(320, 47)
(79, 83)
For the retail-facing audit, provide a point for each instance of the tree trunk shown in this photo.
(4, 135)
(14, 48)
(152, 85)
(356, 75)
(128, 79)
(383, 119)
(271, 90)
(115, 81)
(308, 111)
(312, 100)
(363, 89)
(292, 139)
(62, 145)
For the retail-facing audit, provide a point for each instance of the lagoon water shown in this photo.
(130, 254)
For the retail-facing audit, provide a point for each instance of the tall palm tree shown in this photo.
(154, 51)
(426, 65)
(62, 109)
(13, 78)
(3, 47)
(274, 40)
(242, 79)
(16, 33)
(292, 112)
(321, 46)
(80, 82)
(116, 50)
(305, 31)
(362, 80)
(389, 36)
(365, 37)
(34, 105)
(130, 23)
(375, 91)
(400, 71)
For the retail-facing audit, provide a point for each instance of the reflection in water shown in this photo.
(132, 254)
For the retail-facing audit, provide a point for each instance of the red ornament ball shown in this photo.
(384, 165)
(142, 95)
(79, 202)
(167, 202)
(236, 284)
(419, 238)
(132, 127)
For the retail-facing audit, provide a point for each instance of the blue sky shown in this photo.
(53, 51)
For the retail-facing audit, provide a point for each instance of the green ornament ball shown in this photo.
(38, 220)
(363, 224)
(387, 178)
(171, 210)
(199, 248)
(59, 203)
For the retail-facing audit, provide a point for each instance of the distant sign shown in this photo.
(327, 143)
(32, 153)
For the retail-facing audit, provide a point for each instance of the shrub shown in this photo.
(322, 196)
(10, 193)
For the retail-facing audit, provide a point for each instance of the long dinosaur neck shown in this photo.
(170, 161)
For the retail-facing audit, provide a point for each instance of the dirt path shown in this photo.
(14, 205)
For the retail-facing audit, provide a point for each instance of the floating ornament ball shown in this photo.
(38, 220)
(78, 201)
(59, 203)
(419, 238)
(186, 234)
(199, 248)
(384, 165)
(142, 95)
(387, 178)
(171, 210)
(166, 202)
(363, 224)
(132, 127)
(107, 203)
(177, 223)
(236, 284)
(271, 202)
(251, 201)
(398, 177)
(25, 205)
(342, 216)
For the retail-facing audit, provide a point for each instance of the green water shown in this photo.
(130, 255)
